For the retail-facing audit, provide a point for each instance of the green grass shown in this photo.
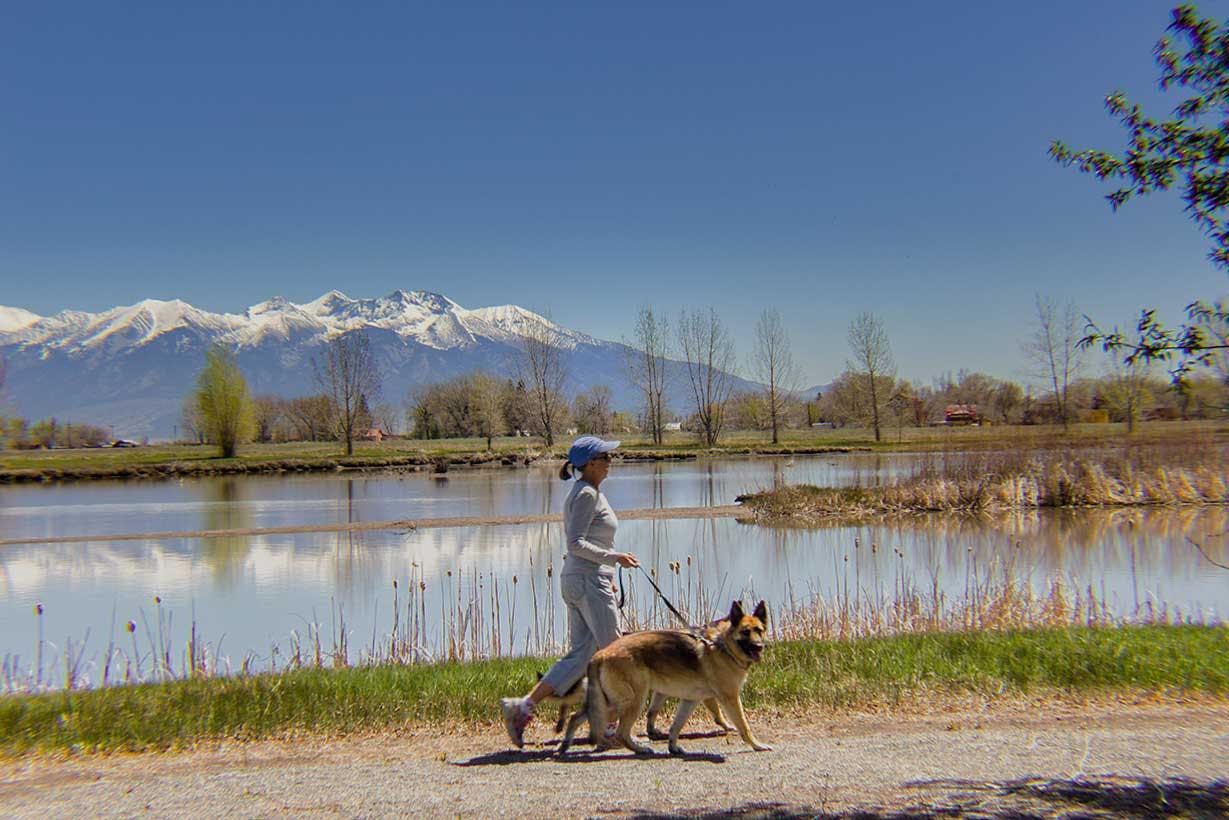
(161, 460)
(795, 675)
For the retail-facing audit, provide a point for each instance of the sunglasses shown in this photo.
(601, 457)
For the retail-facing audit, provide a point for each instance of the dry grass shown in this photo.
(1009, 481)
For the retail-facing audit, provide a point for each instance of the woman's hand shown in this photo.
(626, 559)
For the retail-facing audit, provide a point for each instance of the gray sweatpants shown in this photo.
(593, 622)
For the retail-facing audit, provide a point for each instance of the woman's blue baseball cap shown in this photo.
(586, 447)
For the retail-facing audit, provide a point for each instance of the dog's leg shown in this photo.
(685, 709)
(715, 709)
(578, 717)
(733, 705)
(651, 721)
(598, 708)
(633, 707)
(563, 718)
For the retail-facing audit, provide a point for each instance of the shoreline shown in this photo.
(411, 462)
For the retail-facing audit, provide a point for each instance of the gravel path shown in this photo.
(1014, 761)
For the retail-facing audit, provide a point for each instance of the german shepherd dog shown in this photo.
(572, 702)
(711, 630)
(672, 664)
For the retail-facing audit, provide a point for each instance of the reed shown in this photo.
(477, 621)
(1002, 482)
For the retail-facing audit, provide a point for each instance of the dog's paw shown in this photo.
(677, 750)
(761, 747)
(657, 734)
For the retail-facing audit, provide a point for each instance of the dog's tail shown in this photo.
(597, 705)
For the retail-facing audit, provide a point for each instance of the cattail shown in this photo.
(157, 599)
(394, 583)
(132, 627)
(38, 609)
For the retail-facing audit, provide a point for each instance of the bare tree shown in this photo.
(772, 365)
(267, 411)
(1008, 397)
(421, 414)
(487, 405)
(387, 418)
(592, 410)
(1127, 389)
(346, 372)
(1054, 351)
(646, 366)
(872, 361)
(544, 377)
(311, 416)
(453, 404)
(709, 353)
(191, 420)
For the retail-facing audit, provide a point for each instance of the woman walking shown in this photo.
(586, 582)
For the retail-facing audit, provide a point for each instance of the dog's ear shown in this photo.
(539, 674)
(761, 612)
(736, 613)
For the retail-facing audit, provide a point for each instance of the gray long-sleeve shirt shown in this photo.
(589, 523)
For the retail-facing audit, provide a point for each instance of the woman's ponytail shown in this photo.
(565, 472)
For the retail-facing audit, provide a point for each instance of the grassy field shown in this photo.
(162, 460)
(796, 675)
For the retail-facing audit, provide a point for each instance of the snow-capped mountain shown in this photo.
(131, 367)
(15, 318)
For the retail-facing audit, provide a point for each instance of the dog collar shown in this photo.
(733, 657)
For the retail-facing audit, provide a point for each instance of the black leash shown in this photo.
(694, 630)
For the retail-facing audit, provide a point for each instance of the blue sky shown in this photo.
(818, 158)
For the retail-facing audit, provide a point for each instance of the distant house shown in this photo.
(673, 426)
(961, 414)
(375, 434)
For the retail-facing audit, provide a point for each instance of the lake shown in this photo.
(253, 597)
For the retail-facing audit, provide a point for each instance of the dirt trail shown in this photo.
(1019, 761)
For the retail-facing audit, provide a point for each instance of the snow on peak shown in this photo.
(327, 303)
(13, 318)
(139, 323)
(510, 322)
(422, 317)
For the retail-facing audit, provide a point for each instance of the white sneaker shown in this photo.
(517, 714)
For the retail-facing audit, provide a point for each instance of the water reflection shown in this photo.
(225, 510)
(249, 593)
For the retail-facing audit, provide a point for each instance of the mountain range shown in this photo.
(129, 368)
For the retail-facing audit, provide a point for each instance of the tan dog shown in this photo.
(572, 703)
(710, 632)
(673, 664)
